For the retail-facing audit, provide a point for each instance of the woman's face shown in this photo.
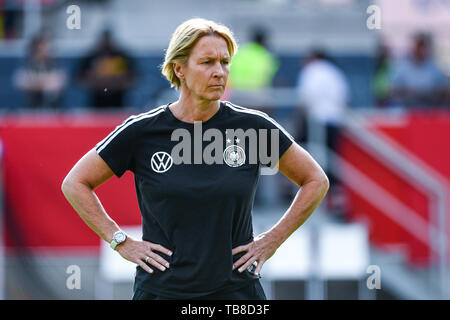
(205, 73)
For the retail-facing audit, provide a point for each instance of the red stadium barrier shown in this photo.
(38, 153)
(426, 135)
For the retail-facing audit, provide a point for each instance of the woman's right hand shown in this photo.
(142, 253)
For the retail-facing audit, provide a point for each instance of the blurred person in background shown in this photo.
(254, 66)
(381, 80)
(42, 82)
(11, 14)
(251, 73)
(323, 97)
(416, 80)
(108, 73)
(197, 218)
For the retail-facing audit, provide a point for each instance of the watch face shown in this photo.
(119, 237)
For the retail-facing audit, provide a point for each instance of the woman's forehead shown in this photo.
(210, 46)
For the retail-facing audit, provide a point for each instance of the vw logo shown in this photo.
(234, 156)
(161, 161)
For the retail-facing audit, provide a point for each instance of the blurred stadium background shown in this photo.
(362, 85)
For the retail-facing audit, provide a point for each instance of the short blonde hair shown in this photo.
(185, 37)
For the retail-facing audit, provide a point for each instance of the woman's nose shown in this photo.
(219, 70)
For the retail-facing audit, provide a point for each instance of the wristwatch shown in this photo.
(118, 238)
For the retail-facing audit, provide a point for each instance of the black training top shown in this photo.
(199, 211)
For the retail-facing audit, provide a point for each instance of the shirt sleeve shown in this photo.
(275, 142)
(117, 149)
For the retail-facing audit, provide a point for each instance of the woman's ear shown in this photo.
(178, 69)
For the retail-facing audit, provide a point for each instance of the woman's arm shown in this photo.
(302, 169)
(78, 187)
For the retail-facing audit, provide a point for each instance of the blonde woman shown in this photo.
(198, 240)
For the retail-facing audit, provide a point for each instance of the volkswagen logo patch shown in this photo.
(161, 161)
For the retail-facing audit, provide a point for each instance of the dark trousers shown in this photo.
(252, 291)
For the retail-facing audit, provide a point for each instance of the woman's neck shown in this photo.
(190, 110)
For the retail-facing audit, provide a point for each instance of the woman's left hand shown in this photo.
(260, 250)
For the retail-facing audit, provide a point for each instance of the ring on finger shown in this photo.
(146, 259)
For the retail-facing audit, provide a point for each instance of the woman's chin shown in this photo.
(213, 97)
